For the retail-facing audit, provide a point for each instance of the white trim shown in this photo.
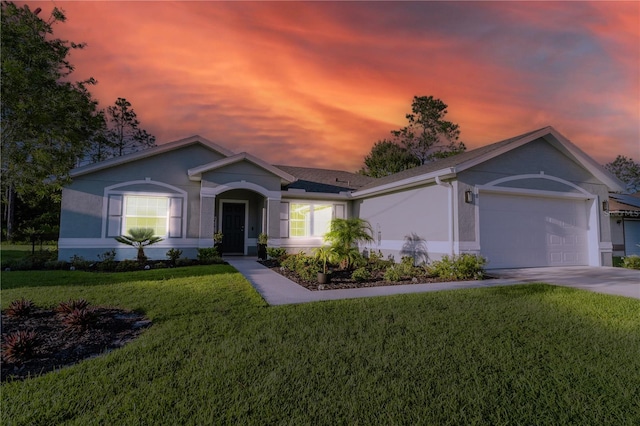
(405, 183)
(150, 152)
(300, 241)
(109, 243)
(495, 183)
(111, 190)
(290, 195)
(221, 203)
(217, 190)
(195, 173)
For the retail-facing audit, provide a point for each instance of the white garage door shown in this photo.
(522, 231)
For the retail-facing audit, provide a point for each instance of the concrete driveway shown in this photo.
(617, 281)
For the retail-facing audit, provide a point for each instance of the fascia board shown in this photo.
(447, 173)
(342, 196)
(146, 153)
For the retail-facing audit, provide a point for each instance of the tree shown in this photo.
(46, 118)
(125, 133)
(386, 158)
(139, 238)
(627, 170)
(428, 136)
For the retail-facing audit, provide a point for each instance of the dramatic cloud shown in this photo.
(317, 84)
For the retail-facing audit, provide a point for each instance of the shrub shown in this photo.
(19, 346)
(392, 274)
(361, 274)
(80, 318)
(40, 257)
(184, 262)
(277, 253)
(20, 308)
(631, 262)
(107, 260)
(209, 256)
(173, 255)
(462, 267)
(69, 306)
(159, 265)
(128, 265)
(79, 262)
(57, 265)
(306, 267)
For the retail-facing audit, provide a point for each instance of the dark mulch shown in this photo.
(59, 347)
(343, 280)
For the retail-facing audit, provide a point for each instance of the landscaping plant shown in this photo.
(19, 346)
(20, 308)
(459, 267)
(139, 238)
(344, 236)
(631, 262)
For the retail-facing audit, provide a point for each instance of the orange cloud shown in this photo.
(317, 84)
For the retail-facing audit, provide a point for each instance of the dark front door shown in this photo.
(233, 228)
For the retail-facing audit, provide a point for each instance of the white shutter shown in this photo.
(284, 219)
(338, 211)
(114, 216)
(175, 217)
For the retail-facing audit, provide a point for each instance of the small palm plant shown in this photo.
(139, 238)
(325, 254)
(344, 236)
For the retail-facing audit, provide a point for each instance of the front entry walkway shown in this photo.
(278, 290)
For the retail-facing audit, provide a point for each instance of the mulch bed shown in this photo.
(59, 347)
(343, 280)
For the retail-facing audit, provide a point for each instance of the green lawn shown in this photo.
(217, 354)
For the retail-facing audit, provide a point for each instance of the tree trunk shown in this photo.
(10, 215)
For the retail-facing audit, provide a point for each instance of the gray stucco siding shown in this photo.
(423, 212)
(531, 158)
(242, 171)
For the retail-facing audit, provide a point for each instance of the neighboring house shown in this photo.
(624, 213)
(533, 200)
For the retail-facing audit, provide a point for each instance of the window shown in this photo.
(301, 219)
(146, 212)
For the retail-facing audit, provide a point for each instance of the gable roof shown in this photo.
(450, 166)
(325, 180)
(196, 172)
(150, 152)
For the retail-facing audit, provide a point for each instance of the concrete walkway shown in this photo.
(278, 290)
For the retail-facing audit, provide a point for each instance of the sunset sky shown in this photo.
(317, 83)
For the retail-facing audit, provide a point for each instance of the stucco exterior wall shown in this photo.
(422, 213)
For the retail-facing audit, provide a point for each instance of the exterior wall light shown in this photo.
(605, 206)
(468, 196)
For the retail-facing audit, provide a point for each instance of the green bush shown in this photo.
(107, 261)
(631, 262)
(306, 267)
(80, 263)
(462, 267)
(128, 265)
(393, 274)
(173, 255)
(209, 256)
(183, 261)
(361, 274)
(277, 253)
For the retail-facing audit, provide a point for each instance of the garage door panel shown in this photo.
(521, 231)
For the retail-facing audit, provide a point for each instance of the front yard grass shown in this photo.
(217, 354)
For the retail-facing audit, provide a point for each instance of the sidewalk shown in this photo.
(278, 290)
